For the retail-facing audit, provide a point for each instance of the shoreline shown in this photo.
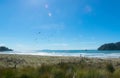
(80, 55)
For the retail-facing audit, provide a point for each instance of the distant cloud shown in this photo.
(59, 46)
(23, 47)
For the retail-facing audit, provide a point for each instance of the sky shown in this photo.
(58, 24)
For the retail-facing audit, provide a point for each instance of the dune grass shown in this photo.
(58, 67)
(62, 70)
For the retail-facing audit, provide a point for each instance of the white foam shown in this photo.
(99, 55)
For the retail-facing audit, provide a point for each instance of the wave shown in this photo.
(97, 54)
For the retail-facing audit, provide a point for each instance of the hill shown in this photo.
(110, 46)
(3, 48)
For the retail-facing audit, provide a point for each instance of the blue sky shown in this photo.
(58, 24)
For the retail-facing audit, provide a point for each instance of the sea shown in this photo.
(75, 53)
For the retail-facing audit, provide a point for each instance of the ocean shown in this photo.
(76, 53)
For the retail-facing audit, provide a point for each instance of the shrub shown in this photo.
(110, 68)
(59, 74)
(24, 76)
(7, 73)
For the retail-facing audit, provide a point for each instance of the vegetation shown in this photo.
(80, 69)
(110, 46)
(3, 48)
(110, 68)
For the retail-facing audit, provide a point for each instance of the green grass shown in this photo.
(57, 67)
(63, 70)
